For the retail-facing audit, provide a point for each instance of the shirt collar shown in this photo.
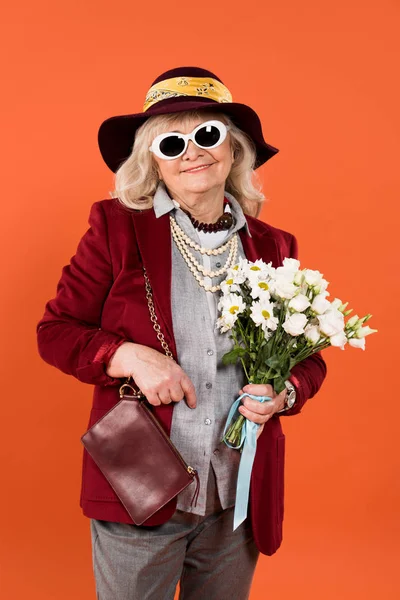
(163, 203)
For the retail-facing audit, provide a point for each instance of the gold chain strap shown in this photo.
(153, 317)
(157, 329)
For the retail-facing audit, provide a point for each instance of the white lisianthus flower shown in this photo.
(338, 339)
(352, 321)
(321, 287)
(312, 334)
(289, 269)
(262, 313)
(336, 303)
(312, 278)
(299, 303)
(298, 278)
(357, 342)
(331, 322)
(231, 303)
(320, 304)
(282, 288)
(363, 331)
(294, 325)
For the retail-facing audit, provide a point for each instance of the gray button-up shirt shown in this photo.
(200, 346)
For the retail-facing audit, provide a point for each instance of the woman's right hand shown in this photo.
(159, 378)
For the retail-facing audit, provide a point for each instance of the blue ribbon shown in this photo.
(248, 440)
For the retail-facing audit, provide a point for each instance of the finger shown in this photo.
(259, 389)
(262, 408)
(152, 398)
(252, 416)
(176, 392)
(189, 391)
(164, 396)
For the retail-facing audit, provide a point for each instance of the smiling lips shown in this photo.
(200, 168)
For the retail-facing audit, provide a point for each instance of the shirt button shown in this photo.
(210, 352)
(207, 421)
(208, 385)
(218, 264)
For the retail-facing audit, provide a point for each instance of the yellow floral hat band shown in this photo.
(205, 87)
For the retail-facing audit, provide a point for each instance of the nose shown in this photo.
(192, 151)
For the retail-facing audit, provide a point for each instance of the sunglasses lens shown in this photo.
(208, 136)
(172, 145)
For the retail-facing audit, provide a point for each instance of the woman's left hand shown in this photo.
(260, 412)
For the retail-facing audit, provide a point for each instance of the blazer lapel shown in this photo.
(154, 240)
(260, 246)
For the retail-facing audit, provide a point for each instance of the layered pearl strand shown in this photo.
(183, 243)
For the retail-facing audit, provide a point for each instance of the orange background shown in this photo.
(324, 80)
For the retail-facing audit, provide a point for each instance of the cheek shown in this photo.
(224, 156)
(168, 169)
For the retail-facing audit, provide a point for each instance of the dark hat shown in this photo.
(178, 90)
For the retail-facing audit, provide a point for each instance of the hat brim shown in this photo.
(116, 135)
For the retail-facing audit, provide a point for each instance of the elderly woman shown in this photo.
(184, 209)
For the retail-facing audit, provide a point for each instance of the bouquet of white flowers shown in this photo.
(277, 317)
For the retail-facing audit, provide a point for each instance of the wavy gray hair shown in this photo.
(137, 178)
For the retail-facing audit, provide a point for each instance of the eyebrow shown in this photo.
(176, 131)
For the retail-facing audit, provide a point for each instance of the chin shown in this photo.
(202, 186)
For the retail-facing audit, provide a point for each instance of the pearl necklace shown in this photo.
(183, 241)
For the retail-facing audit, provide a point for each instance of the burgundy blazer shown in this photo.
(100, 303)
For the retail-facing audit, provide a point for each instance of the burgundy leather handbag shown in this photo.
(134, 452)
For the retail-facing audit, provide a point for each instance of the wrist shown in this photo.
(117, 363)
(290, 396)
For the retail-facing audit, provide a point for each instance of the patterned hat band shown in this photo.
(205, 87)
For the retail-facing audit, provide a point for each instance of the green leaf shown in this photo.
(231, 357)
(273, 361)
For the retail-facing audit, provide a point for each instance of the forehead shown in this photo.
(186, 123)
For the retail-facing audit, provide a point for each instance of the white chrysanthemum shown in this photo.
(226, 321)
(294, 325)
(228, 286)
(237, 272)
(231, 303)
(260, 289)
(259, 271)
(331, 322)
(262, 313)
(299, 303)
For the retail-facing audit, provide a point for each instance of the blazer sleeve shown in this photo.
(307, 376)
(69, 335)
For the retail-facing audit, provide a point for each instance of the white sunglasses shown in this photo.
(206, 135)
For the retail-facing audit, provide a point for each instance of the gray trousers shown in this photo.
(211, 561)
